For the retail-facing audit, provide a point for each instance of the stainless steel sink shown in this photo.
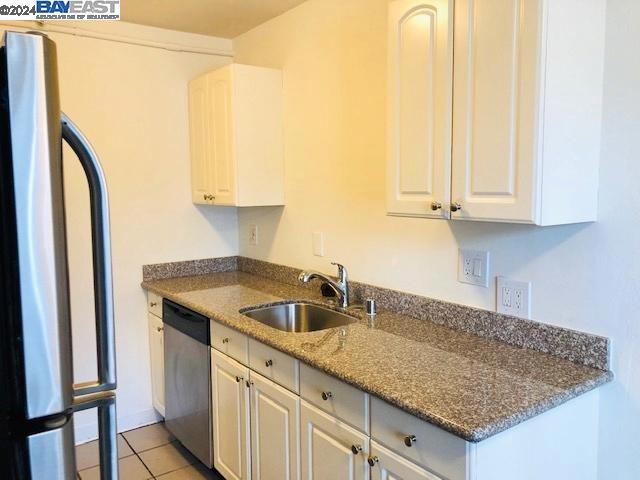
(299, 317)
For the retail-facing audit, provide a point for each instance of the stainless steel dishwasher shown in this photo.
(187, 379)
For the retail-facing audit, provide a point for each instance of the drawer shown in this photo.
(432, 447)
(230, 342)
(154, 304)
(335, 397)
(275, 365)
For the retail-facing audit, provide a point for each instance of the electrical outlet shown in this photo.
(253, 235)
(474, 267)
(513, 297)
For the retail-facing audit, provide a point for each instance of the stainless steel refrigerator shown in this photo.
(38, 398)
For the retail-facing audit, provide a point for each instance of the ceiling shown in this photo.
(219, 18)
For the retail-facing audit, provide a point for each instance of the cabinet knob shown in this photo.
(327, 395)
(372, 461)
(153, 304)
(249, 383)
(436, 206)
(409, 440)
(225, 340)
(268, 363)
(356, 449)
(159, 329)
(239, 379)
(455, 207)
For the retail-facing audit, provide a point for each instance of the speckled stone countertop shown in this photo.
(471, 386)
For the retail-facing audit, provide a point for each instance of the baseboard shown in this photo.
(88, 430)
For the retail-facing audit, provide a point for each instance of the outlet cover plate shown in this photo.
(318, 244)
(513, 297)
(473, 267)
(253, 235)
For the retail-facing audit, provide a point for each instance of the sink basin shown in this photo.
(299, 317)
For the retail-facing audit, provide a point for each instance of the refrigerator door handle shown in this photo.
(102, 275)
(107, 442)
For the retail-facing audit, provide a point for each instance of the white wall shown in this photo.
(587, 277)
(131, 101)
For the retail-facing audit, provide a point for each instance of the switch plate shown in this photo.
(473, 267)
(513, 297)
(253, 235)
(318, 244)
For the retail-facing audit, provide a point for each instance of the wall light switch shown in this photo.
(318, 244)
(253, 235)
(473, 267)
(513, 297)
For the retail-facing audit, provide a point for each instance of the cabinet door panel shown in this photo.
(220, 90)
(230, 406)
(156, 350)
(391, 466)
(275, 431)
(420, 83)
(327, 447)
(495, 118)
(199, 131)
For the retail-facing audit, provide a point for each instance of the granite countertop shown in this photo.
(471, 386)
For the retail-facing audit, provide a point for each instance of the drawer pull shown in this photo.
(372, 461)
(356, 449)
(153, 304)
(159, 329)
(239, 379)
(225, 340)
(268, 363)
(327, 395)
(409, 440)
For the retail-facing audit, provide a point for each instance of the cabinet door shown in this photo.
(156, 350)
(391, 466)
(420, 82)
(275, 431)
(331, 449)
(230, 412)
(221, 146)
(495, 118)
(199, 133)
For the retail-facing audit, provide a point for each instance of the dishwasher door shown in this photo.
(187, 392)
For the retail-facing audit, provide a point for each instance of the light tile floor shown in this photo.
(146, 452)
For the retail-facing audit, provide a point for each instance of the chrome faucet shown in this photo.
(339, 285)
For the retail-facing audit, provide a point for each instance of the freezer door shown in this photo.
(51, 452)
(36, 151)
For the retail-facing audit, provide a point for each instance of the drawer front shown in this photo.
(154, 304)
(335, 397)
(426, 444)
(230, 342)
(275, 365)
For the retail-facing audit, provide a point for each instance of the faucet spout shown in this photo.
(339, 285)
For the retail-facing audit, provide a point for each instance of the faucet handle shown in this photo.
(342, 271)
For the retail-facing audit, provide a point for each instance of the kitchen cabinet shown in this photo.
(275, 431)
(330, 448)
(235, 121)
(386, 465)
(524, 113)
(230, 417)
(156, 350)
(420, 80)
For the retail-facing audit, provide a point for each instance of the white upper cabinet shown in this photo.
(235, 117)
(526, 106)
(420, 83)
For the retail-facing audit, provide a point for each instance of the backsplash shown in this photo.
(578, 347)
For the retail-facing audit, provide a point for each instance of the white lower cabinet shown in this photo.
(156, 352)
(275, 431)
(387, 465)
(331, 449)
(230, 416)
